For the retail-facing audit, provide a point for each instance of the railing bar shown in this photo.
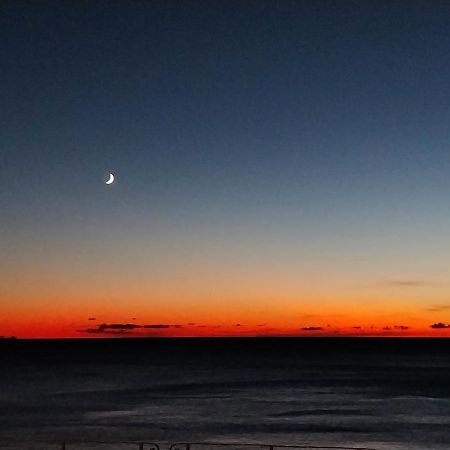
(188, 445)
(271, 446)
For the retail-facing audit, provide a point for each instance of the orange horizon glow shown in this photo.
(213, 306)
(306, 325)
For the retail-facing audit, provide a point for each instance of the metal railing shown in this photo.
(80, 445)
(238, 445)
(74, 445)
(66, 445)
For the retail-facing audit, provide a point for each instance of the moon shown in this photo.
(111, 179)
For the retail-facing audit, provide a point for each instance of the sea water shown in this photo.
(377, 393)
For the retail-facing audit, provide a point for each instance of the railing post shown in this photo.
(63, 446)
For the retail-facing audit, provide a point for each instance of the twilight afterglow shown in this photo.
(279, 170)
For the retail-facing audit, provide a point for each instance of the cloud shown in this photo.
(118, 332)
(90, 330)
(395, 327)
(439, 325)
(312, 328)
(92, 318)
(407, 283)
(439, 307)
(103, 331)
(357, 328)
(124, 328)
(118, 326)
(112, 328)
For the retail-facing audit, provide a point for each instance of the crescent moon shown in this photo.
(111, 179)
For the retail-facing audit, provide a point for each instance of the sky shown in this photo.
(281, 168)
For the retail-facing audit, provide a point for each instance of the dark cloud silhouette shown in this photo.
(439, 325)
(92, 318)
(112, 328)
(238, 325)
(395, 327)
(124, 328)
(103, 331)
(357, 327)
(312, 328)
(118, 326)
(90, 330)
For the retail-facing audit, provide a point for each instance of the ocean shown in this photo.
(358, 392)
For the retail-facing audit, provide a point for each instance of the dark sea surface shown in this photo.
(378, 393)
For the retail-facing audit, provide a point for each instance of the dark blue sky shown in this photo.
(232, 95)
(256, 124)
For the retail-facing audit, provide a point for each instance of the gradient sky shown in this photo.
(281, 168)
